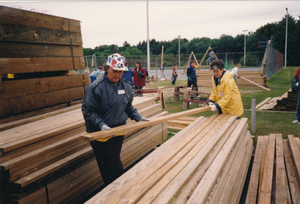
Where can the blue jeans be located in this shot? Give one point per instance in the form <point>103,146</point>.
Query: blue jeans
<point>174,79</point>
<point>93,78</point>
<point>298,106</point>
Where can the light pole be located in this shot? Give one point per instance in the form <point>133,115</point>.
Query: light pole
<point>286,34</point>
<point>148,43</point>
<point>245,31</point>
<point>178,51</point>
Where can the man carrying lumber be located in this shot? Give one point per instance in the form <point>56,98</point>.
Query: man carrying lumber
<point>107,104</point>
<point>295,88</point>
<point>191,74</point>
<point>225,96</point>
<point>235,70</point>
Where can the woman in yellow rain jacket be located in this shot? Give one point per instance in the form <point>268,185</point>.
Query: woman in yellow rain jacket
<point>225,96</point>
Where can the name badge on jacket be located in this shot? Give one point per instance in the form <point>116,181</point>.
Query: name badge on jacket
<point>221,94</point>
<point>121,91</point>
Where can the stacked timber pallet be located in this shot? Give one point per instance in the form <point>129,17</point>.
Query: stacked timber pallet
<point>39,50</point>
<point>47,161</point>
<point>204,78</point>
<point>275,171</point>
<point>286,102</point>
<point>205,162</point>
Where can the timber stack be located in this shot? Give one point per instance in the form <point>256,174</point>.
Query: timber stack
<point>288,103</point>
<point>46,161</point>
<point>204,78</point>
<point>38,50</point>
<point>194,166</point>
<point>275,171</point>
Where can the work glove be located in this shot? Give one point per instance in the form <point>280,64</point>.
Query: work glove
<point>140,73</point>
<point>190,78</point>
<point>210,103</point>
<point>294,87</point>
<point>238,76</point>
<point>213,108</point>
<point>105,127</point>
<point>144,119</point>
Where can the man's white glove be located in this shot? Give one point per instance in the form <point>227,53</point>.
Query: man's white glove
<point>105,127</point>
<point>144,119</point>
<point>213,108</point>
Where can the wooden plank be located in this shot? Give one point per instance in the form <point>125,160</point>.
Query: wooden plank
<point>43,64</point>
<point>281,193</point>
<point>186,166</point>
<point>266,189</point>
<point>205,185</point>
<point>33,34</point>
<point>263,102</point>
<point>295,153</point>
<point>29,50</point>
<point>128,128</point>
<point>291,174</point>
<point>254,178</point>
<point>11,89</point>
<point>29,18</point>
<point>160,155</point>
<point>22,104</point>
<point>256,84</point>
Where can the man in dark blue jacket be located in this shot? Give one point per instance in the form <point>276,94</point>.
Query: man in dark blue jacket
<point>191,74</point>
<point>107,104</point>
<point>295,88</point>
<point>127,75</point>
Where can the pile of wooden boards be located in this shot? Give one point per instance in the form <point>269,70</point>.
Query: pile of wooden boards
<point>275,171</point>
<point>206,162</point>
<point>204,78</point>
<point>286,102</point>
<point>181,123</point>
<point>47,161</point>
<point>39,50</point>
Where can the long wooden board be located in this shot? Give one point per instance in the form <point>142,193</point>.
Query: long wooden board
<point>29,18</point>
<point>256,84</point>
<point>43,64</point>
<point>33,34</point>
<point>127,128</point>
<point>22,104</point>
<point>28,50</point>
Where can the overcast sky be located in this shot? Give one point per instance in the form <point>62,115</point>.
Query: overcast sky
<point>113,22</point>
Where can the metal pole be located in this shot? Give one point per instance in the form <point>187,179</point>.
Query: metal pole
<point>245,47</point>
<point>286,34</point>
<point>148,43</point>
<point>253,116</point>
<point>178,51</point>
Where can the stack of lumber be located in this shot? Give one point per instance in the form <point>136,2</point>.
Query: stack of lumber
<point>39,50</point>
<point>181,123</point>
<point>205,162</point>
<point>204,78</point>
<point>275,171</point>
<point>286,102</point>
<point>47,161</point>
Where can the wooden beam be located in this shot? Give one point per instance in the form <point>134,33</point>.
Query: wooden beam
<point>256,84</point>
<point>295,153</point>
<point>263,102</point>
<point>266,189</point>
<point>126,128</point>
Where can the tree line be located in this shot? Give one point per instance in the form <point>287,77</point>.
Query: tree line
<point>225,44</point>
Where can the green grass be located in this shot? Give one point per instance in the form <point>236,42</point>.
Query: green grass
<point>267,122</point>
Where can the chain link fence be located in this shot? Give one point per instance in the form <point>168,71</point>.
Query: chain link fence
<point>274,61</point>
<point>253,59</point>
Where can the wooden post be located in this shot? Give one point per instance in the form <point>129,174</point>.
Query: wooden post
<point>253,117</point>
<point>185,105</point>
<point>162,61</point>
<point>176,93</point>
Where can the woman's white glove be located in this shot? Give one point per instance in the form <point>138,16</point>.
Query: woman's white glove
<point>213,108</point>
<point>105,127</point>
<point>210,103</point>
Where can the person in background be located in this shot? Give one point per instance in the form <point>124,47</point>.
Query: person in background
<point>139,76</point>
<point>108,104</point>
<point>235,70</point>
<point>225,96</point>
<point>163,69</point>
<point>86,70</point>
<point>97,73</point>
<point>296,89</point>
<point>174,74</point>
<point>191,74</point>
<point>127,75</point>
<point>211,57</point>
